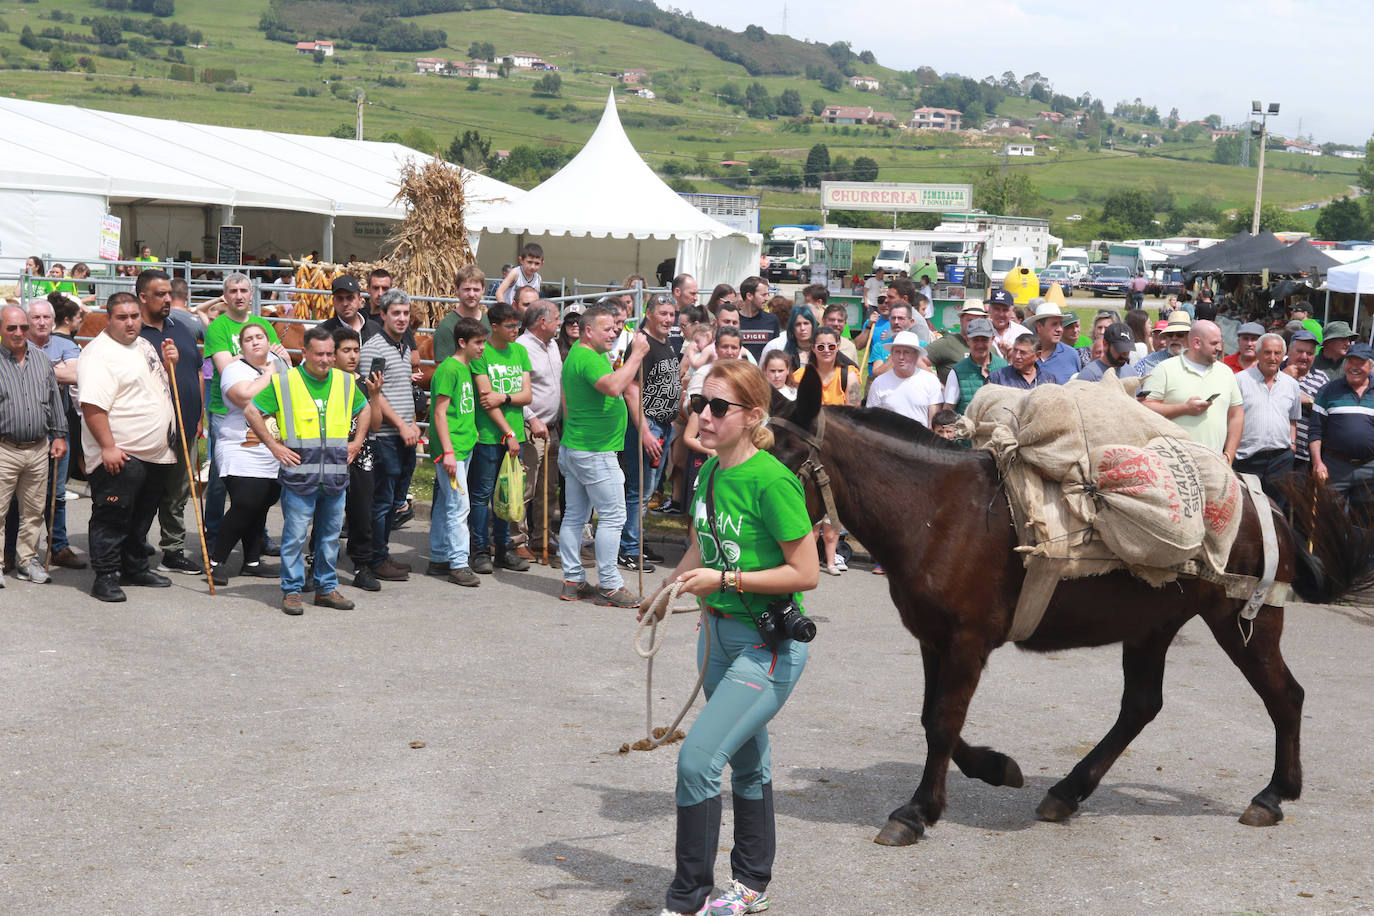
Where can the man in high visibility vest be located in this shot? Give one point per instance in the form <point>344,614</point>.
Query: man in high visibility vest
<point>313,405</point>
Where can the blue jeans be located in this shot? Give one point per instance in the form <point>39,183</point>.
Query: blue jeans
<point>746,685</point>
<point>59,515</point>
<point>297,512</point>
<point>483,467</point>
<point>629,537</point>
<point>591,480</point>
<point>392,462</point>
<point>448,518</point>
<point>215,491</point>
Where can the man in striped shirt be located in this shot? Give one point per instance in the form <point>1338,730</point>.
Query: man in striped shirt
<point>1302,351</point>
<point>1342,438</point>
<point>33,427</point>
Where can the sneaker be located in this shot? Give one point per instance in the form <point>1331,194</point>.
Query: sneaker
<point>34,572</point>
<point>438,570</point>
<point>465,577</point>
<point>217,573</point>
<point>738,899</point>
<point>177,561</point>
<point>146,578</point>
<point>650,554</point>
<point>671,507</point>
<point>481,563</point>
<point>364,580</point>
<point>403,515</point>
<point>629,561</point>
<point>654,501</point>
<point>832,570</point>
<point>291,604</point>
<point>576,591</point>
<point>106,588</point>
<point>878,570</point>
<point>620,597</point>
<point>257,570</point>
<point>840,564</point>
<point>334,599</point>
<point>271,548</point>
<point>512,561</point>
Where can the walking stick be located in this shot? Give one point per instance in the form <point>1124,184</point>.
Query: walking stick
<point>191,476</point>
<point>547,442</point>
<point>640,509</point>
<point>52,512</point>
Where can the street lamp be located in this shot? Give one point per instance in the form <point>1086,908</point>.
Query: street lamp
<point>1257,109</point>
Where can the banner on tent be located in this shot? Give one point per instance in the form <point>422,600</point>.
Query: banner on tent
<point>109,237</point>
<point>893,196</point>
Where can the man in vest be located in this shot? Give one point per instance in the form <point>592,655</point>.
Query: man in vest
<point>313,405</point>
<point>971,373</point>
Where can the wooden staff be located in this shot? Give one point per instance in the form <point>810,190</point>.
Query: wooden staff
<point>191,475</point>
<point>640,509</point>
<point>547,442</point>
<point>52,512</point>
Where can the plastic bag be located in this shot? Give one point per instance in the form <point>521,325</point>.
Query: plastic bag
<point>509,500</point>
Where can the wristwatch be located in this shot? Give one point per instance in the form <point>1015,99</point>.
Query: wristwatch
<point>507,404</point>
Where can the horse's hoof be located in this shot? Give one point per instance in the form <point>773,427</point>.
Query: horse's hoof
<point>898,833</point>
<point>1011,775</point>
<point>1055,809</point>
<point>1258,815</point>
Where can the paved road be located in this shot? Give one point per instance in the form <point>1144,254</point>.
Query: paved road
<point>181,754</point>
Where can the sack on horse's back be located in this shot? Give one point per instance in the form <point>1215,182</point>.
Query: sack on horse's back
<point>1147,515</point>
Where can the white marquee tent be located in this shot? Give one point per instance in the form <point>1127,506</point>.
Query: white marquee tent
<point>606,215</point>
<point>173,184</point>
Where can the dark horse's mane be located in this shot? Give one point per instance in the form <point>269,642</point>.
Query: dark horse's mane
<point>898,426</point>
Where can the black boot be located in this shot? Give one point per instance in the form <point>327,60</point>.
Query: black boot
<point>107,588</point>
<point>756,840</point>
<point>698,836</point>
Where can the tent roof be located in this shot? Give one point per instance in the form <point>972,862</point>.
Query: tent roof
<point>1352,278</point>
<point>1238,254</point>
<point>1301,257</point>
<point>606,190</point>
<point>131,158</point>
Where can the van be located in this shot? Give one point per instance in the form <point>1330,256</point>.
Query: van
<point>1006,258</point>
<point>893,256</point>
<point>1074,269</point>
<point>1078,256</point>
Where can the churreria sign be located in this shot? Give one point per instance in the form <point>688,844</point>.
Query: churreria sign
<point>892,196</point>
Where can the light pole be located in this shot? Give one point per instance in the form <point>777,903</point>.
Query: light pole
<point>1257,109</point>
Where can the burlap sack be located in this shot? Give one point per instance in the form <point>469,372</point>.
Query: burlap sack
<point>1146,515</point>
<point>1223,496</point>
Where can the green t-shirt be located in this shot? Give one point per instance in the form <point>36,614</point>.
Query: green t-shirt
<point>222,336</point>
<point>266,400</point>
<point>453,380</point>
<point>759,506</point>
<point>594,421</point>
<point>504,370</point>
<point>444,344</point>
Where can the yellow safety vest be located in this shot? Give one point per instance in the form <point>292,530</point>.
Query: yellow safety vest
<point>318,434</point>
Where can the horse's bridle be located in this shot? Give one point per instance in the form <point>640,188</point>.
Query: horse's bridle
<point>812,465</point>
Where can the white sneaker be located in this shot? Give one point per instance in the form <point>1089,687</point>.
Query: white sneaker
<point>840,564</point>
<point>34,572</point>
<point>71,496</point>
<point>737,900</point>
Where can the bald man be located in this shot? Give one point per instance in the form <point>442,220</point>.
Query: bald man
<point>1199,393</point>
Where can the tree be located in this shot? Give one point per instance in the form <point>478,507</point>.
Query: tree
<point>420,139</point>
<point>840,169</point>
<point>817,165</point>
<point>790,103</point>
<point>107,30</point>
<point>865,169</point>
<point>755,33</point>
<point>482,50</point>
<point>344,131</point>
<point>1008,195</point>
<point>197,37</point>
<point>1226,151</point>
<point>548,85</point>
<point>1342,219</point>
<point>866,58</point>
<point>1213,121</point>
<point>817,107</point>
<point>832,81</point>
<point>840,52</point>
<point>178,34</point>
<point>1130,208</point>
<point>757,102</point>
<point>470,150</point>
<point>318,56</point>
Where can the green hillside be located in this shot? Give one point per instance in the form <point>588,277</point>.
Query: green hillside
<point>276,88</point>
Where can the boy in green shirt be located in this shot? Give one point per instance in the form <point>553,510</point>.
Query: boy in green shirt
<point>451,441</point>
<point>502,380</point>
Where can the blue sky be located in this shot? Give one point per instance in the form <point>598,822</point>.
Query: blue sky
<point>1201,57</point>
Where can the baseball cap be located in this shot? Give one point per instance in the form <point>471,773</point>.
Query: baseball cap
<point>1001,297</point>
<point>1160,325</point>
<point>1070,318</point>
<point>573,308</point>
<point>1251,328</point>
<point>1119,337</point>
<point>1178,322</point>
<point>1304,334</point>
<point>980,327</point>
<point>1360,351</point>
<point>974,307</point>
<point>1335,330</point>
<point>906,339</point>
<point>345,284</point>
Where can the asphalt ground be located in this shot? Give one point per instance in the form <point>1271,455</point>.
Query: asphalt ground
<point>187,754</point>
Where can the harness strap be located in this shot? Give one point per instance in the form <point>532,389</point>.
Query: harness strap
<point>812,465</point>
<point>1271,545</point>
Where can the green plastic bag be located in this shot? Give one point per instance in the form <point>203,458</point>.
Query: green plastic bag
<point>509,500</point>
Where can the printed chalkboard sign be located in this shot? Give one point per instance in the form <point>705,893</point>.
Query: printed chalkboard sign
<point>230,245</point>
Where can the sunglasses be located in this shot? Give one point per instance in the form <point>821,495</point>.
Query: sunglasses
<point>719,406</point>
<point>16,327</point>
<point>821,346</point>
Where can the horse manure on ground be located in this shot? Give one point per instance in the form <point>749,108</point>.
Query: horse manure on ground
<point>644,744</point>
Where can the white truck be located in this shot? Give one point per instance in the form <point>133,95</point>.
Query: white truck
<point>1024,239</point>
<point>897,255</point>
<point>796,255</point>
<point>1004,259</point>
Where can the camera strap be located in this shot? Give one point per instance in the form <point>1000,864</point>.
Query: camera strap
<point>711,515</point>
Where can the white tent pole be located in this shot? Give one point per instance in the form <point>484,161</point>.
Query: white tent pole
<point>1328,305</point>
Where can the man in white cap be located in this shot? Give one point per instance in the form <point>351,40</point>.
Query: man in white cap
<point>1247,343</point>
<point>1058,360</point>
<point>1174,337</point>
<point>907,389</point>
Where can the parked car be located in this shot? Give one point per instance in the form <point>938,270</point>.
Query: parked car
<point>1052,275</point>
<point>1164,282</point>
<point>1107,280</point>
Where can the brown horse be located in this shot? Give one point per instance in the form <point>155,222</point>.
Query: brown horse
<point>955,577</point>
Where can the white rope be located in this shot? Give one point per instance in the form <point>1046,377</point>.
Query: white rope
<point>658,629</point>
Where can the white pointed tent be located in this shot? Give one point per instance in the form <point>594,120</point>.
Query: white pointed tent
<point>606,215</point>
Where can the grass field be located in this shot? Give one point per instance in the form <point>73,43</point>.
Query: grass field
<point>587,51</point>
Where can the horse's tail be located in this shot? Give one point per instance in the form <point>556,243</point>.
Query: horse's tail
<point>1338,561</point>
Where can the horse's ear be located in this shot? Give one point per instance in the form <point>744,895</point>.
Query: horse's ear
<point>808,402</point>
<point>779,405</point>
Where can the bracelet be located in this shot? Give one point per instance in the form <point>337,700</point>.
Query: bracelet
<point>722,580</point>
<point>739,582</point>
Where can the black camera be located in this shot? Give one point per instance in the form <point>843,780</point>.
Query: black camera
<point>781,620</point>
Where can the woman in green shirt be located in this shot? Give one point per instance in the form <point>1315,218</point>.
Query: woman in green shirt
<point>760,552</point>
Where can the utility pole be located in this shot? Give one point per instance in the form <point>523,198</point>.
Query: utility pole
<point>358,124</point>
<point>1255,108</point>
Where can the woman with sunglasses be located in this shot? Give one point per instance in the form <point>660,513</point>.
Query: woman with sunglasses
<point>763,553</point>
<point>723,292</point>
<point>839,385</point>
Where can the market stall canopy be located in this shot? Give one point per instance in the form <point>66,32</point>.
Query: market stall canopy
<point>80,151</point>
<point>1352,278</point>
<point>608,192</point>
<point>1301,257</point>
<point>1240,254</point>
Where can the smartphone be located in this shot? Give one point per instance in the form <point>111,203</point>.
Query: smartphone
<point>379,367</point>
<point>1214,397</point>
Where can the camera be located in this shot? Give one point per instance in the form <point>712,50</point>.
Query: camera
<point>781,620</point>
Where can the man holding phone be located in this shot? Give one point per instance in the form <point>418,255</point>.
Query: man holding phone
<point>1199,393</point>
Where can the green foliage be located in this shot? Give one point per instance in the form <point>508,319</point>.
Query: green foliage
<point>344,131</point>
<point>755,33</point>
<point>1342,219</point>
<point>474,85</point>
<point>318,56</point>
<point>1131,208</point>
<point>865,168</point>
<point>832,81</point>
<point>178,34</point>
<point>757,102</point>
<point>107,30</point>
<point>1011,194</point>
<point>817,107</point>
<point>549,85</point>
<point>218,75</point>
<point>789,103</point>
<point>182,73</point>
<point>482,50</point>
<point>470,150</point>
<point>817,165</point>
<point>1226,151</point>
<point>420,139</point>
<point>60,60</point>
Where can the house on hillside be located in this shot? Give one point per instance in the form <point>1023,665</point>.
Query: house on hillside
<point>1214,135</point>
<point>1302,147</point>
<point>856,114</point>
<point>1019,149</point>
<point>471,69</point>
<point>1349,154</point>
<point>305,47</point>
<point>643,92</point>
<point>633,77</point>
<point>521,60</point>
<point>866,83</point>
<point>428,65</point>
<point>927,118</point>
<point>310,47</point>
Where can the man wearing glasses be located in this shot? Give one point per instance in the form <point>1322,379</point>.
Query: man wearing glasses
<point>1175,338</point>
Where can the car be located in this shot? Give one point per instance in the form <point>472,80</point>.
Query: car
<point>1107,280</point>
<point>1074,218</point>
<point>1052,275</point>
<point>1309,206</point>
